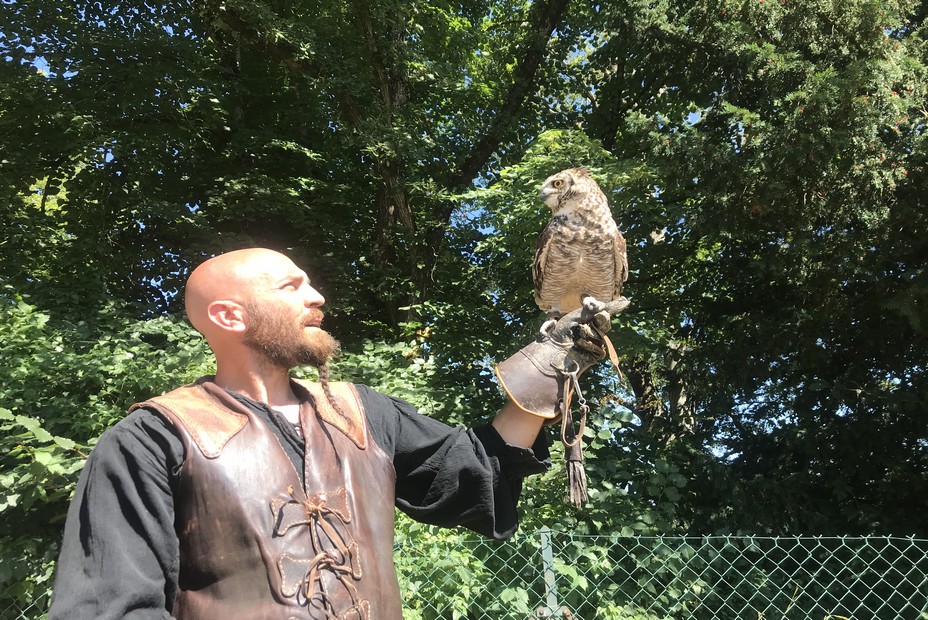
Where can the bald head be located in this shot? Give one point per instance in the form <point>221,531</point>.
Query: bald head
<point>234,277</point>
<point>261,317</point>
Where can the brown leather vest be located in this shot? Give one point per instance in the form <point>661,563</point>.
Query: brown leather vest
<point>254,543</point>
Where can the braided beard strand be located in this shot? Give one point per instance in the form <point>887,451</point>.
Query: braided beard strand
<point>324,382</point>
<point>285,345</point>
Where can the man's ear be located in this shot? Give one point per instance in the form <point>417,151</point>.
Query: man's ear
<point>228,315</point>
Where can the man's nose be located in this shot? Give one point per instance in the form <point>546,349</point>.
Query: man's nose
<point>314,298</point>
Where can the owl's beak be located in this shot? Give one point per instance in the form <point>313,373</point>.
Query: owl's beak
<point>545,195</point>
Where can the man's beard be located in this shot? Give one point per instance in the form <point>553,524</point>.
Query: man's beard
<point>284,342</point>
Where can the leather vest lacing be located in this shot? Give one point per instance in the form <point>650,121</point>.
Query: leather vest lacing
<point>257,544</point>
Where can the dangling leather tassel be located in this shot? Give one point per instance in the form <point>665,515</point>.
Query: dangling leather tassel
<point>573,441</point>
<point>576,476</point>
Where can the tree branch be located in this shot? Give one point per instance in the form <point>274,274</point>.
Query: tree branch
<point>545,19</point>
<point>376,57</point>
<point>393,202</point>
<point>282,50</point>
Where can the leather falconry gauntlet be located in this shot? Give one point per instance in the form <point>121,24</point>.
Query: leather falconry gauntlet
<point>542,376</point>
<point>578,340</point>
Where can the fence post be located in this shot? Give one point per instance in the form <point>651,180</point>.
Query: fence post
<point>552,607</point>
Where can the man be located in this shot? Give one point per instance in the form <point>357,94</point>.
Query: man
<point>252,495</point>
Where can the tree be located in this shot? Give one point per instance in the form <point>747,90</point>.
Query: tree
<point>765,159</point>
<point>781,252</point>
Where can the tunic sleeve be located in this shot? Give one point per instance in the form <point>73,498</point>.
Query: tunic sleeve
<point>119,552</point>
<point>451,476</point>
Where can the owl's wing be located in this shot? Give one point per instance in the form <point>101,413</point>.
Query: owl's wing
<point>541,260</point>
<point>621,262</point>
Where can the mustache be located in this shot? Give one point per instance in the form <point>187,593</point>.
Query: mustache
<point>314,317</point>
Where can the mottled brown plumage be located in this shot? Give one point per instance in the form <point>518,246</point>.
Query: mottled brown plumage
<point>581,251</point>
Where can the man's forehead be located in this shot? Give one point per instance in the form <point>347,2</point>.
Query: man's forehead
<point>272,273</point>
<point>245,269</point>
<point>286,275</point>
<point>270,265</point>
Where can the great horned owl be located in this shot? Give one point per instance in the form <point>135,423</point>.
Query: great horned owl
<point>581,251</point>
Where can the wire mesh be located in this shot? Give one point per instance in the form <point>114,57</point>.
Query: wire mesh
<point>663,577</point>
<point>16,609</point>
<point>552,574</point>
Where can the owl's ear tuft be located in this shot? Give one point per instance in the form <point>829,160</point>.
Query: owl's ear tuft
<point>581,171</point>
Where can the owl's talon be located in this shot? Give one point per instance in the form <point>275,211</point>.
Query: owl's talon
<point>593,305</point>
<point>547,327</point>
<point>602,321</point>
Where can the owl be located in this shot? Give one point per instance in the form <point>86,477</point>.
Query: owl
<point>581,251</point>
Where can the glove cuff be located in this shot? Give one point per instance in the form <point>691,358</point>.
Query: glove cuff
<point>531,388</point>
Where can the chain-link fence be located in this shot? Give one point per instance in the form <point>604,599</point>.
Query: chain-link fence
<point>649,578</point>
<point>548,574</point>
<point>15,608</point>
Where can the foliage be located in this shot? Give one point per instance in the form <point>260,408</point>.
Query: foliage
<point>765,159</point>
<point>70,371</point>
<point>788,196</point>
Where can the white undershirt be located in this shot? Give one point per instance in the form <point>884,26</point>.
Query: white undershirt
<point>291,412</point>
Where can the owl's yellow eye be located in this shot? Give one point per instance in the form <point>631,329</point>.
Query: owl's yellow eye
<point>557,183</point>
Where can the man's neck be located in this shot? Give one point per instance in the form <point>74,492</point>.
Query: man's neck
<point>265,385</point>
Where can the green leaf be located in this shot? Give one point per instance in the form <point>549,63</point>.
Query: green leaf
<point>34,427</point>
